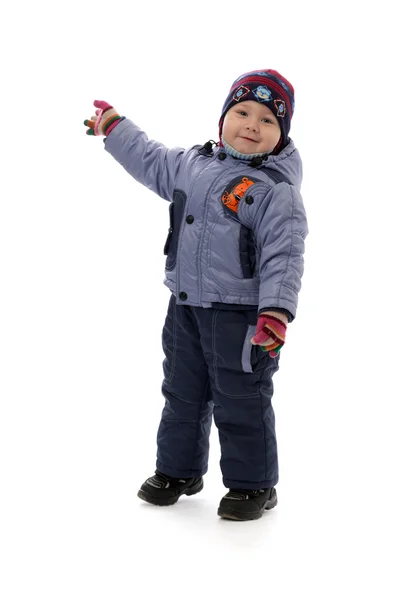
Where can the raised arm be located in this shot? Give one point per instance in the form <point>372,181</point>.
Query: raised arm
<point>148,161</point>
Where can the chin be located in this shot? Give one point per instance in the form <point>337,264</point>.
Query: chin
<point>247,147</point>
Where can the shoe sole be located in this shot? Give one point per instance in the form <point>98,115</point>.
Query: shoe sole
<point>235,515</point>
<point>143,495</point>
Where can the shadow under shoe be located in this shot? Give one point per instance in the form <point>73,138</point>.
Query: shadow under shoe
<point>163,490</point>
<point>246,505</point>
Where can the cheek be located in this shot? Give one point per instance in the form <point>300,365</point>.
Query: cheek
<point>226,129</point>
<point>275,136</point>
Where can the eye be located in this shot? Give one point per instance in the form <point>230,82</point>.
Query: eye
<point>243,113</point>
<point>266,120</point>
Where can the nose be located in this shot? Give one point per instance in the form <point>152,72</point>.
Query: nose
<point>252,125</point>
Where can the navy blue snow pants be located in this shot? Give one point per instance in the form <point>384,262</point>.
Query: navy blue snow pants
<point>211,368</point>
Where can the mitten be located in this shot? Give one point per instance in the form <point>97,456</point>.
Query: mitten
<point>270,334</point>
<point>105,120</point>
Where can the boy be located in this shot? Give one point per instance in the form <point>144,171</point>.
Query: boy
<point>234,265</point>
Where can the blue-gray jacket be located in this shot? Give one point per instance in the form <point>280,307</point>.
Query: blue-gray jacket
<point>236,233</point>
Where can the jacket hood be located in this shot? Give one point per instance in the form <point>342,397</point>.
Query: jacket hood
<point>288,163</point>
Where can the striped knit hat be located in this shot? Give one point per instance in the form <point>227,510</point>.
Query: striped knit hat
<point>270,88</point>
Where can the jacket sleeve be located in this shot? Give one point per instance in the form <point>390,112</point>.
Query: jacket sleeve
<point>148,161</point>
<point>280,229</point>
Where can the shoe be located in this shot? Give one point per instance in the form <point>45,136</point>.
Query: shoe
<point>246,505</point>
<point>163,490</point>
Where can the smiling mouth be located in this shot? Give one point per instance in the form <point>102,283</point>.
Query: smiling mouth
<point>248,139</point>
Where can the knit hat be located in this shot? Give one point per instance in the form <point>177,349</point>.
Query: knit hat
<point>269,88</point>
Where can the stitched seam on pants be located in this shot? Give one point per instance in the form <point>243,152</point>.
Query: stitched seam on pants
<point>173,359</point>
<point>195,317</point>
<point>264,429</point>
<point>263,421</point>
<point>198,424</point>
<point>214,325</point>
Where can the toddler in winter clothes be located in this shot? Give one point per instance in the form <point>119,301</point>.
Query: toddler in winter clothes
<point>234,265</point>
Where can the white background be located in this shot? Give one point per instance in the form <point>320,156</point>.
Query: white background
<point>82,304</point>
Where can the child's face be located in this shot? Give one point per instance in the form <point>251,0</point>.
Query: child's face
<point>251,127</point>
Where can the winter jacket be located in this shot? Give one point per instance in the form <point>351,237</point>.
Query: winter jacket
<point>236,232</point>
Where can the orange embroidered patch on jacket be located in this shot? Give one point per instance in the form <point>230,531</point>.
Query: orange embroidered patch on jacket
<point>235,192</point>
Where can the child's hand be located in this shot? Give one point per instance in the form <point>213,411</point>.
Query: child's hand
<point>104,121</point>
<point>270,332</point>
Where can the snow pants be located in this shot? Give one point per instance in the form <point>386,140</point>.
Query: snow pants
<point>212,369</point>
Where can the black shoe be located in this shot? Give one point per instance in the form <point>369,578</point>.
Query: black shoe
<point>164,491</point>
<point>245,505</point>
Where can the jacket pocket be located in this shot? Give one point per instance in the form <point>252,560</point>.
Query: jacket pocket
<point>176,210</point>
<point>247,250</point>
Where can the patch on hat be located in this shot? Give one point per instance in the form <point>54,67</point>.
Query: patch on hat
<point>262,93</point>
<point>280,106</point>
<point>240,93</point>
